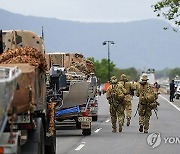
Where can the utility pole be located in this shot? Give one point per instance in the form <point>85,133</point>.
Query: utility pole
<point>108,43</point>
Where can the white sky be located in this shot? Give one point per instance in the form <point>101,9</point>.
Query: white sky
<point>84,10</point>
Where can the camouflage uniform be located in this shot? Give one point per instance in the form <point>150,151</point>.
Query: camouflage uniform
<point>147,102</point>
<point>116,103</point>
<point>127,100</point>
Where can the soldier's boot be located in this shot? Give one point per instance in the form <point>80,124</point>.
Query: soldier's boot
<point>114,130</point>
<point>120,127</point>
<point>141,128</point>
<point>146,129</point>
<point>128,121</point>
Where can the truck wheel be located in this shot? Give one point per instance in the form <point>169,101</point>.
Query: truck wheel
<point>41,149</point>
<point>19,146</point>
<point>94,118</point>
<point>51,144</point>
<point>36,140</point>
<point>78,124</point>
<point>177,96</point>
<point>86,132</point>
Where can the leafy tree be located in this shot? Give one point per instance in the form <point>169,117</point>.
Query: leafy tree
<point>132,73</point>
<point>169,9</point>
<point>174,72</point>
<point>101,69</point>
<point>163,73</point>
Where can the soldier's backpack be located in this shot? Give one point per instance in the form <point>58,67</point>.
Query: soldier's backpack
<point>151,98</point>
<point>117,93</point>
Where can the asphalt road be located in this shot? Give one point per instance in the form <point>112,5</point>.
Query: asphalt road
<point>164,133</point>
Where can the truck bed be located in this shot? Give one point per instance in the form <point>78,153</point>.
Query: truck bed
<point>31,92</point>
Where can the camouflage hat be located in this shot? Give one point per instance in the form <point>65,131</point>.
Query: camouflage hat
<point>113,79</point>
<point>144,78</point>
<point>123,77</point>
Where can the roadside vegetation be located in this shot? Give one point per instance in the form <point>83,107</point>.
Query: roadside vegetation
<point>101,71</point>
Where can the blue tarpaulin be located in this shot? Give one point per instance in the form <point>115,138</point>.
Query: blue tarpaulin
<point>75,109</point>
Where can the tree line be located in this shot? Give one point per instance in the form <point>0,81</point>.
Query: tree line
<point>167,72</point>
<point>101,71</point>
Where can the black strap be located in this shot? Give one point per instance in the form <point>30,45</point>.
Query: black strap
<point>1,42</point>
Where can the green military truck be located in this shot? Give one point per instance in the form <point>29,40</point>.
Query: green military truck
<point>30,116</point>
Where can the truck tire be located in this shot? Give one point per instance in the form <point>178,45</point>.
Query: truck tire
<point>19,146</point>
<point>94,118</point>
<point>78,124</point>
<point>51,144</point>
<point>86,132</point>
<point>36,140</point>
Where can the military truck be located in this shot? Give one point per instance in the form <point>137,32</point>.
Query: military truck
<point>30,115</point>
<point>80,88</point>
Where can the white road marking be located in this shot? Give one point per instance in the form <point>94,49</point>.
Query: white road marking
<point>97,130</point>
<point>80,147</point>
<point>170,103</point>
<point>107,120</point>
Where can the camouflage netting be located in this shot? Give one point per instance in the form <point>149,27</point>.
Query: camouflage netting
<point>73,69</point>
<point>24,55</point>
<point>84,67</point>
<point>90,66</point>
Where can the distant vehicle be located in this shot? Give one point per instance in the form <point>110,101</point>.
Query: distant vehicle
<point>151,76</point>
<point>177,93</point>
<point>177,82</point>
<point>78,92</point>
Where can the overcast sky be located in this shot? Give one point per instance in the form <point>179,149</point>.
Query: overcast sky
<point>84,10</point>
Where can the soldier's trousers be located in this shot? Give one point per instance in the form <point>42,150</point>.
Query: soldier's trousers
<point>116,112</point>
<point>128,109</point>
<point>144,116</point>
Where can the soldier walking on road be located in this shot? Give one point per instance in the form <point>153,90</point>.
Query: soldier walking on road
<point>115,96</point>
<point>127,100</point>
<point>172,91</point>
<point>147,102</point>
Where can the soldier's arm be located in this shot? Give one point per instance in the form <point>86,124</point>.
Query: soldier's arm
<point>137,92</point>
<point>122,88</point>
<point>108,93</point>
<point>133,87</point>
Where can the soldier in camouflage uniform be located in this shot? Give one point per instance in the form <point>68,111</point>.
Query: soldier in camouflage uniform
<point>147,102</point>
<point>127,100</point>
<point>115,96</point>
